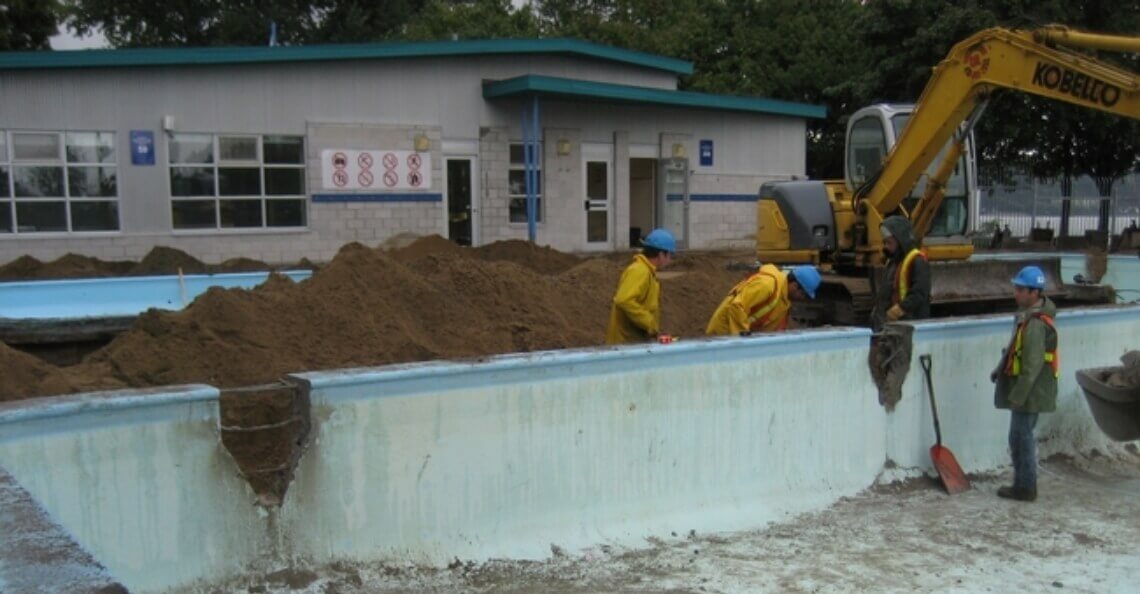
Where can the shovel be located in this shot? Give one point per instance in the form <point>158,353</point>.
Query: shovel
<point>951,474</point>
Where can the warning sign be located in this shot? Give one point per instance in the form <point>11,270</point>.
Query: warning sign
<point>343,169</point>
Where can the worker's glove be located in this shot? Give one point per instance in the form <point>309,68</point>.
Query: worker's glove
<point>895,313</point>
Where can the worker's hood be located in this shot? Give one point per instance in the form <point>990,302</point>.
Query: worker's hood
<point>1045,306</point>
<point>901,229</point>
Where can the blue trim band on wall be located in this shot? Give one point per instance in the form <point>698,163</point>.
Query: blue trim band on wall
<point>417,197</point>
<point>713,197</point>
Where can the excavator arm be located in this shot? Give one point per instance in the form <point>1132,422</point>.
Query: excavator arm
<point>1028,61</point>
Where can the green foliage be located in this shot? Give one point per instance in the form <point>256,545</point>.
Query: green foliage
<point>27,24</point>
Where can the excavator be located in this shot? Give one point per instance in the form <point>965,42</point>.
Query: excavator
<point>891,147</point>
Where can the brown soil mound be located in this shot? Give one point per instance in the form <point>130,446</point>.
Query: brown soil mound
<point>541,259</point>
<point>67,266</point>
<point>367,307</point>
<point>1129,375</point>
<point>430,245</point>
<point>166,260</point>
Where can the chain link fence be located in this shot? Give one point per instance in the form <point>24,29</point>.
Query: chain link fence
<point>1022,204</point>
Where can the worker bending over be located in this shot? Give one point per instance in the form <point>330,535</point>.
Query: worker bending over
<point>904,293</point>
<point>763,301</point>
<point>636,312</point>
<point>1026,378</point>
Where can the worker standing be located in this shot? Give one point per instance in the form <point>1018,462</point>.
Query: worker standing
<point>636,312</point>
<point>1026,378</point>
<point>904,293</point>
<point>763,302</point>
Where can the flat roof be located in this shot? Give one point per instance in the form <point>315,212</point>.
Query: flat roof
<point>188,56</point>
<point>568,87</point>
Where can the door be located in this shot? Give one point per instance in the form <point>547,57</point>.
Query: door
<point>598,184</point>
<point>460,195</point>
<point>673,198</point>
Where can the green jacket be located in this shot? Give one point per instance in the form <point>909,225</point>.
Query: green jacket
<point>917,303</point>
<point>1035,389</point>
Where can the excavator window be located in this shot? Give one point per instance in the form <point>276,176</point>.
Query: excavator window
<point>953,216</point>
<point>867,148</point>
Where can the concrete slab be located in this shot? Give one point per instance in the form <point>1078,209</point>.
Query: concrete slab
<point>37,555</point>
<point>1082,535</point>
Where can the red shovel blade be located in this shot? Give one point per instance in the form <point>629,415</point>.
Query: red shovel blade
<point>951,474</point>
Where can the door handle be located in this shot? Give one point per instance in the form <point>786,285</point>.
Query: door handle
<point>587,203</point>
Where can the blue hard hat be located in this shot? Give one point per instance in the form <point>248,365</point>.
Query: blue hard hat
<point>660,239</point>
<point>1030,277</point>
<point>808,278</point>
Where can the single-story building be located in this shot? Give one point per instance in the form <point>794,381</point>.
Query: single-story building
<point>278,153</point>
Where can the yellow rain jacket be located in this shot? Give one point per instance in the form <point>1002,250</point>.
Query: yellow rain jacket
<point>758,303</point>
<point>635,315</point>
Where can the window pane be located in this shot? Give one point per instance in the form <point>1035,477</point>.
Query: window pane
<point>233,181</point>
<point>237,148</point>
<point>192,148</point>
<point>33,182</point>
<point>90,147</point>
<point>35,147</point>
<point>194,214</point>
<point>517,154</point>
<point>5,217</point>
<point>517,182</point>
<point>285,213</point>
<point>597,182</point>
<point>518,210</point>
<point>284,182</point>
<point>41,216</point>
<point>192,181</point>
<point>285,149</point>
<point>5,191</point>
<point>94,216</point>
<point>91,182</point>
<point>3,147</point>
<point>241,213</point>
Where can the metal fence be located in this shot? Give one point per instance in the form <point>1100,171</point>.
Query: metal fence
<point>1023,203</point>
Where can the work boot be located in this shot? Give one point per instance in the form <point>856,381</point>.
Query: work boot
<point>1017,493</point>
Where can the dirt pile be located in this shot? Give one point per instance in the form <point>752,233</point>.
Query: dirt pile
<point>372,307</point>
<point>160,260</point>
<point>1129,375</point>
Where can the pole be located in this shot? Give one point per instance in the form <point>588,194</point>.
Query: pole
<point>532,189</point>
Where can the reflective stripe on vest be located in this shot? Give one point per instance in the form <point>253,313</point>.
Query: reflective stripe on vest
<point>758,316</point>
<point>902,275</point>
<point>1013,354</point>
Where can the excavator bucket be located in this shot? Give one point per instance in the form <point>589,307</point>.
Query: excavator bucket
<point>987,280</point>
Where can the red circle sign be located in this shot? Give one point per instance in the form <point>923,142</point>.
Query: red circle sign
<point>340,160</point>
<point>390,161</point>
<point>414,161</point>
<point>365,178</point>
<point>415,178</point>
<point>364,160</point>
<point>391,179</point>
<point>340,178</point>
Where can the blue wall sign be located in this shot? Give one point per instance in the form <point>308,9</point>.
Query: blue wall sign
<point>142,147</point>
<point>706,153</point>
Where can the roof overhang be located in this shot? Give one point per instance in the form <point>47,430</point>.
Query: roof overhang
<point>608,92</point>
<point>191,56</point>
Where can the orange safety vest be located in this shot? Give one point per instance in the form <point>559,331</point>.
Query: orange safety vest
<point>758,315</point>
<point>902,275</point>
<point>1013,354</point>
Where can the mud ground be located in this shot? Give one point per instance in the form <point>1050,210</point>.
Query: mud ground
<point>1082,535</point>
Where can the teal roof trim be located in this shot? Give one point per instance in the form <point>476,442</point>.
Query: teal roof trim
<point>190,56</point>
<point>566,87</point>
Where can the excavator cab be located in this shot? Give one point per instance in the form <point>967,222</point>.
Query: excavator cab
<point>873,131</point>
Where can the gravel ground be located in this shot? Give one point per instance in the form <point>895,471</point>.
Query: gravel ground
<point>1082,535</point>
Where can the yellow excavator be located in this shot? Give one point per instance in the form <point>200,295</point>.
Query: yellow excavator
<point>890,148</point>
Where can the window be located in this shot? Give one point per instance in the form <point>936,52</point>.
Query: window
<point>517,184</point>
<point>237,181</point>
<point>58,181</point>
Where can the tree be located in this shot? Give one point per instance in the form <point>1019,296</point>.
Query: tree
<point>27,24</point>
<point>479,19</point>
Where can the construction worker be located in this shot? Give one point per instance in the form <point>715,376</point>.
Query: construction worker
<point>1026,378</point>
<point>762,302</point>
<point>636,312</point>
<point>904,293</point>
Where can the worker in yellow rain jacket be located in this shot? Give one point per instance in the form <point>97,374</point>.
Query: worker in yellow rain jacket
<point>636,312</point>
<point>763,301</point>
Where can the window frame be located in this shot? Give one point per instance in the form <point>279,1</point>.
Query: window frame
<point>217,163</point>
<point>540,216</point>
<point>11,202</point>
